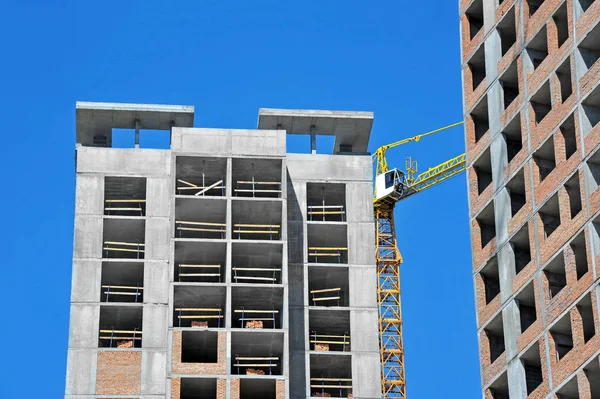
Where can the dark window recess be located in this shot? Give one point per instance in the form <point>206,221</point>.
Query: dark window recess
<point>534,5</point>
<point>545,158</point>
<point>537,49</point>
<point>487,225</point>
<point>578,248</point>
<point>567,129</point>
<point>533,377</point>
<point>541,102</point>
<point>507,31</point>
<point>589,48</point>
<point>522,257</point>
<point>527,316</point>
<point>483,171</point>
<point>491,280</point>
<point>563,343</point>
<point>480,118</point>
<point>496,345</point>
<point>516,191</point>
<point>510,84</point>
<point>513,138</point>
<point>572,187</point>
<point>563,73</point>
<point>562,24</point>
<point>587,316</point>
<point>550,215</point>
<point>475,17</point>
<point>556,276</point>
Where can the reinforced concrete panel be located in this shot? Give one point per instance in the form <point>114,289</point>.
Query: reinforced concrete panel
<point>158,195</point>
<point>363,383</point>
<point>363,286</point>
<point>86,281</point>
<point>156,282</point>
<point>363,331</point>
<point>81,372</point>
<point>154,372</point>
<point>124,161</point>
<point>361,243</point>
<point>89,194</point>
<point>158,234</point>
<point>84,326</point>
<point>87,239</point>
<point>154,328</point>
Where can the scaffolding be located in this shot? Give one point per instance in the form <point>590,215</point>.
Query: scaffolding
<point>118,207</point>
<point>325,212</point>
<point>252,188</point>
<point>322,343</point>
<point>272,272</point>
<point>202,227</point>
<point>121,338</point>
<point>200,314</point>
<point>201,273</point>
<point>338,384</point>
<point>242,362</point>
<point>331,294</point>
<point>122,290</point>
<point>251,321</point>
<point>327,252</point>
<point>136,248</point>
<point>247,228</point>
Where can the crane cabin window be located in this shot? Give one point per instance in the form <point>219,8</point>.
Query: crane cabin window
<point>389,179</point>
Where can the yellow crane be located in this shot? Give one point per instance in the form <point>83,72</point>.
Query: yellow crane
<point>392,186</point>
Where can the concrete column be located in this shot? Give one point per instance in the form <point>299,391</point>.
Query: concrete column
<point>517,385</point>
<point>502,215</point>
<point>506,271</point>
<point>313,140</point>
<point>493,53</point>
<point>511,323</point>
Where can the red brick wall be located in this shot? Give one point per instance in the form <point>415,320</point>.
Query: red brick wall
<point>199,368</point>
<point>119,373</point>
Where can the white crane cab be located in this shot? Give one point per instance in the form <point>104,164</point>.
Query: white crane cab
<point>389,185</point>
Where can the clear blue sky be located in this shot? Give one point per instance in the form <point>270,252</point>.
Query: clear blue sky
<point>400,59</point>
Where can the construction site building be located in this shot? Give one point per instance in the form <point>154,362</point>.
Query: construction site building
<point>223,267</point>
<point>531,74</point>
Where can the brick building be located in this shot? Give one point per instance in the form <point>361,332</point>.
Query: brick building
<point>531,73</point>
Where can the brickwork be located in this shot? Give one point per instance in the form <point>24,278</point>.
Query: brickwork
<point>559,204</point>
<point>234,388</point>
<point>119,373</point>
<point>220,367</point>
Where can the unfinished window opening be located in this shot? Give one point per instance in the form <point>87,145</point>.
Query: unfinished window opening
<point>257,307</point>
<point>328,286</point>
<point>329,330</point>
<point>120,327</point>
<point>495,334</point>
<point>592,372</point>
<point>587,316</point>
<point>592,172</point>
<point>556,275</point>
<point>533,368</point>
<point>534,5</point>
<point>327,243</point>
<point>257,388</point>
<point>256,263</point>
<point>256,353</point>
<point>521,248</point>
<point>200,176</point>
<point>120,138</point>
<point>499,388</point>
<point>562,334</point>
<point>525,301</point>
<point>200,218</point>
<point>491,279</point>
<point>123,239</point>
<point>480,118</point>
<point>567,129</point>
<point>588,51</point>
<point>570,390</point>
<point>516,191</point>
<point>563,73</point>
<point>125,196</point>
<point>580,252</point>
<point>513,137</point>
<point>550,215</point>
<point>200,262</point>
<point>509,81</point>
<point>573,190</point>
<point>122,282</point>
<point>192,388</point>
<point>257,177</point>
<point>507,30</point>
<point>541,103</point>
<point>537,49</point>
<point>477,67</point>
<point>330,375</point>
<point>591,111</point>
<point>474,15</point>
<point>487,224</point>
<point>545,158</point>
<point>326,202</point>
<point>583,5</point>
<point>199,347</point>
<point>199,306</point>
<point>256,220</point>
<point>483,171</point>
<point>562,24</point>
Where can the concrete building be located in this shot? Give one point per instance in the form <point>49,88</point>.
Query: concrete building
<point>222,267</point>
<point>532,110</point>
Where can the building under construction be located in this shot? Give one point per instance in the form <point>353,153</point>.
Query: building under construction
<point>531,75</point>
<point>223,267</point>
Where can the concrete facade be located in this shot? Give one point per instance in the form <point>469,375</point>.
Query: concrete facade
<point>224,254</point>
<point>531,74</point>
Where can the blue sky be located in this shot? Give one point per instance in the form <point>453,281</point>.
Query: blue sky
<point>399,59</point>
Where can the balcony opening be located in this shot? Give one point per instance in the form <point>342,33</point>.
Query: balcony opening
<point>200,218</point>
<point>199,347</point>
<point>495,334</point>
<point>256,263</point>
<point>541,103</point>
<point>537,49</point>
<point>556,275</point>
<point>563,73</point>
<point>591,111</point>
<point>487,224</point>
<point>483,171</point>
<point>570,390</point>
<point>200,176</point>
<point>257,177</point>
<point>326,202</point>
<point>120,327</point>
<point>499,388</point>
<point>579,250</point>
<point>592,372</point>
<point>567,129</point>
<point>475,17</point>
<point>123,238</point>
<point>199,306</point>
<point>550,215</point>
<point>328,286</point>
<point>256,220</point>
<point>124,196</point>
<point>573,190</point>
<point>545,158</point>
<point>533,368</point>
<point>509,81</point>
<point>255,388</point>
<point>491,279</point>
<point>480,118</point>
<point>562,24</point>
<point>329,330</point>
<point>122,282</point>
<point>521,248</point>
<point>513,137</point>
<point>192,388</point>
<point>507,30</point>
<point>534,5</point>
<point>563,336</point>
<point>477,67</point>
<point>587,316</point>
<point>583,5</point>
<point>256,353</point>
<point>200,262</point>
<point>330,375</point>
<point>327,243</point>
<point>588,51</point>
<point>525,301</point>
<point>257,307</point>
<point>516,191</point>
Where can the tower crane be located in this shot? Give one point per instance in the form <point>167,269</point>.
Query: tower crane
<point>392,186</point>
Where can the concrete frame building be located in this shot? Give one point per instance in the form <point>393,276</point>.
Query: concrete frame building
<point>222,267</point>
<point>531,75</point>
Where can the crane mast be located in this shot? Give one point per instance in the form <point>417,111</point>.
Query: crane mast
<point>391,187</point>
